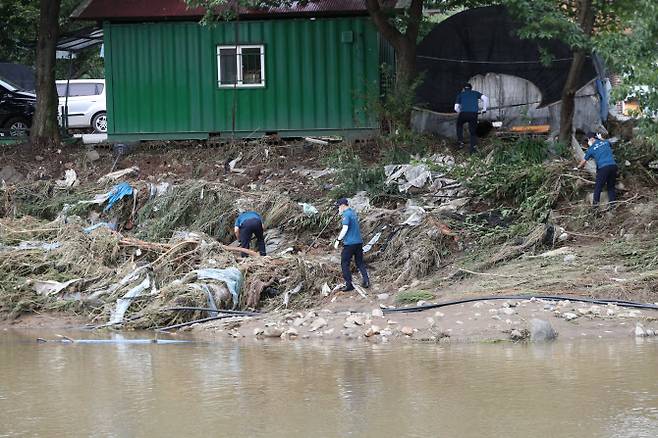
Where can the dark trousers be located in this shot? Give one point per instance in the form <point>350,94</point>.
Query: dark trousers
<point>606,175</point>
<point>472,120</point>
<point>346,255</point>
<point>249,228</point>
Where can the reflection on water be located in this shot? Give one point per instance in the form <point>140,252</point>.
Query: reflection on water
<point>588,389</point>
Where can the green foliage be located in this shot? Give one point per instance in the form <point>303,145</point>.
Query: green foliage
<point>633,55</point>
<point>409,297</point>
<point>354,175</point>
<point>515,175</point>
<point>18,33</point>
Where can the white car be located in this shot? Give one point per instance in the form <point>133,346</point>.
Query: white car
<point>86,103</point>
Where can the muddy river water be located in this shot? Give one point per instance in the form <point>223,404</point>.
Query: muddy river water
<point>306,389</point>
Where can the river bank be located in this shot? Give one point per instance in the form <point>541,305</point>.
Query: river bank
<point>436,231</point>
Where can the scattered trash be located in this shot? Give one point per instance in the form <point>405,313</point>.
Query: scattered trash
<point>117,193</point>
<point>232,277</point>
<point>49,287</point>
<point>113,176</point>
<point>308,209</point>
<point>70,180</point>
<point>107,225</point>
<point>288,294</point>
<point>125,302</point>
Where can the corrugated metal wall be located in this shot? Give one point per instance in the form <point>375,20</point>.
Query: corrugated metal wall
<point>162,78</point>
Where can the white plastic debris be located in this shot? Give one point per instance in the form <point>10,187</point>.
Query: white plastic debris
<point>70,180</point>
<point>124,302</point>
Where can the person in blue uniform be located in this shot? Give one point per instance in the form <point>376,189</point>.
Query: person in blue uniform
<point>467,106</point>
<point>248,225</point>
<point>606,167</point>
<point>350,236</point>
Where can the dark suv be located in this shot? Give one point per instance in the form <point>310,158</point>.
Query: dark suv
<point>16,109</point>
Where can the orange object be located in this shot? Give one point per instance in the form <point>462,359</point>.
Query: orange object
<point>531,129</point>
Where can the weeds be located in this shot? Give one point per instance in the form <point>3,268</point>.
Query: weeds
<point>354,175</point>
<point>410,297</point>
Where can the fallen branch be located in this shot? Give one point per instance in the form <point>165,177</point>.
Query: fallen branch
<point>482,273</point>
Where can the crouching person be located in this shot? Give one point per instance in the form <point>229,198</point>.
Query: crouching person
<point>350,235</point>
<point>248,225</point>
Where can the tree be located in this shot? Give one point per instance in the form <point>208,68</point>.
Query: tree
<point>577,23</point>
<point>45,129</point>
<point>633,55</point>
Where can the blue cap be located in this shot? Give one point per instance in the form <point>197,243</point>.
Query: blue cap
<point>342,201</point>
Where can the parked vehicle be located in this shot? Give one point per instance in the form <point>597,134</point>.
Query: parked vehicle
<point>86,103</point>
<point>16,109</point>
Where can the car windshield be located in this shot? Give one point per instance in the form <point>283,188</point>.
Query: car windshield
<point>9,85</point>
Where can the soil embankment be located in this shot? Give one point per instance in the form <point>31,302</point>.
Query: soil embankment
<point>441,226</point>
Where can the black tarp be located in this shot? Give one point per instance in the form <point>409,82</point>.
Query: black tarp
<point>19,74</point>
<point>484,40</point>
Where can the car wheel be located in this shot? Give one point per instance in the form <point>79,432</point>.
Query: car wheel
<point>17,127</point>
<point>99,122</point>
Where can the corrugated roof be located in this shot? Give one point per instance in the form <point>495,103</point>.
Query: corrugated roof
<point>128,10</point>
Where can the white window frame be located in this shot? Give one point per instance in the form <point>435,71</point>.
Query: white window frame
<point>238,59</point>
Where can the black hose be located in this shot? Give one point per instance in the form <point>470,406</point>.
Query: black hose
<point>619,303</point>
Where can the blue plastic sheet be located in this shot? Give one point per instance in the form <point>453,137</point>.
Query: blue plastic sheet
<point>118,192</point>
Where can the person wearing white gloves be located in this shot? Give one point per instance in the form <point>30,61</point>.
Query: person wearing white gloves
<point>467,106</point>
<point>350,236</point>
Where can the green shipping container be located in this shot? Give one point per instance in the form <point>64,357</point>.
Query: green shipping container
<point>294,77</point>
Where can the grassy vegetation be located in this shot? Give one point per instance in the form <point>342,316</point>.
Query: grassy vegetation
<point>412,297</point>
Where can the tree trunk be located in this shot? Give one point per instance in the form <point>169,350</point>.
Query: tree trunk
<point>586,15</point>
<point>45,130</point>
<point>404,45</point>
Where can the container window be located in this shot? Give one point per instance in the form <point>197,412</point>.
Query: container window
<point>241,66</point>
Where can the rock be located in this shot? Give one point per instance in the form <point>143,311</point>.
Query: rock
<point>430,321</point>
<point>595,310</point>
<point>563,237</point>
<point>406,330</point>
<point>541,331</point>
<point>92,155</point>
<point>569,316</point>
<point>328,332</point>
<point>317,324</point>
<point>478,305</point>
<point>496,317</point>
<point>372,331</point>
<point>610,312</point>
<point>290,333</point>
<point>438,315</point>
<point>386,332</point>
<point>569,259</point>
<point>634,314</point>
<point>258,331</point>
<point>272,332</point>
<point>650,332</point>
<point>639,331</point>
<point>583,311</point>
<point>355,320</point>
<point>382,297</point>
<point>509,311</point>
<point>10,175</point>
<point>298,322</point>
<point>378,313</point>
<point>517,335</point>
